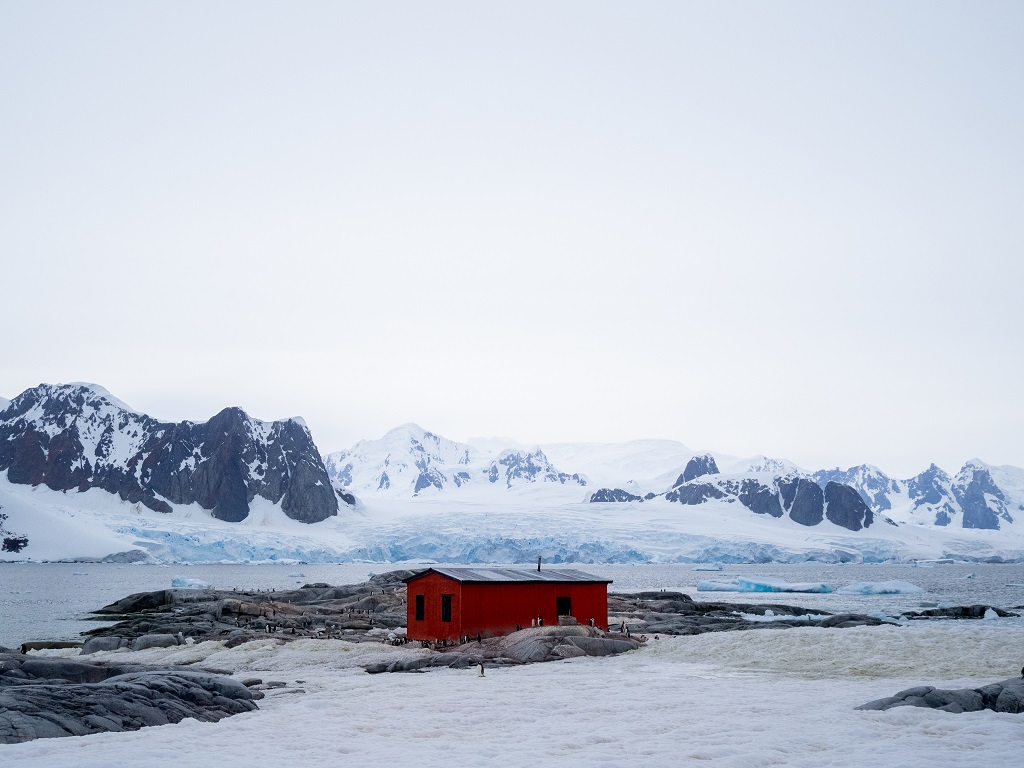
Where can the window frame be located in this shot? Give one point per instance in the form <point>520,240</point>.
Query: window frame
<point>421,607</point>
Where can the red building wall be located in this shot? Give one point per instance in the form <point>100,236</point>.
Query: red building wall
<point>432,587</point>
<point>495,608</point>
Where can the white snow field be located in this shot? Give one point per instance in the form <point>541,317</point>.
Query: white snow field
<point>755,698</point>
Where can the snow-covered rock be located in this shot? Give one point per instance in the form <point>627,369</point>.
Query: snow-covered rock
<point>409,461</point>
<point>77,437</point>
<point>978,496</point>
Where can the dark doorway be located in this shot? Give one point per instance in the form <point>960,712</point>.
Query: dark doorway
<point>563,606</point>
<point>420,609</point>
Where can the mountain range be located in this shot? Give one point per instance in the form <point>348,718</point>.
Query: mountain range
<point>79,437</point>
<point>74,457</point>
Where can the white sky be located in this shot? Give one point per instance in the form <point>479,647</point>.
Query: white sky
<point>786,228</point>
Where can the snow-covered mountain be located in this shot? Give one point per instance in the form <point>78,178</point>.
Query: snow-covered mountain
<point>409,461</point>
<point>83,475</point>
<point>78,437</point>
<point>978,496</point>
<point>771,488</point>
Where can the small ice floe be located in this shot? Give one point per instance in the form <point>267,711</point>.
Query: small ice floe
<point>80,573</point>
<point>770,615</point>
<point>742,584</point>
<point>707,567</point>
<point>990,614</point>
<point>880,588</point>
<point>181,582</point>
<point>297,575</point>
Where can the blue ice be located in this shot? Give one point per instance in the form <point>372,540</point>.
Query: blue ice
<point>742,584</point>
<point>880,588</point>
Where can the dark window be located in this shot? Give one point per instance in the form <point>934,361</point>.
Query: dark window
<point>563,606</point>
<point>446,607</point>
<point>420,610</point>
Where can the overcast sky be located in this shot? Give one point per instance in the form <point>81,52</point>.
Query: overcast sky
<point>781,228</point>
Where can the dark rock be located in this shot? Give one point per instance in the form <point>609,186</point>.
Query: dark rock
<point>804,500</point>
<point>845,507</point>
<point>958,612</point>
<point>154,641</point>
<point>696,467</point>
<point>760,499</point>
<point>56,697</point>
<point>94,644</point>
<point>694,493</point>
<point>975,491</point>
<point>610,495</point>
<point>1007,696</point>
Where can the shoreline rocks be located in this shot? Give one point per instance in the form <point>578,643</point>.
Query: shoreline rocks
<point>52,697</point>
<point>1005,696</point>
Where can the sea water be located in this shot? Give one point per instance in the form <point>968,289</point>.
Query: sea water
<point>52,601</point>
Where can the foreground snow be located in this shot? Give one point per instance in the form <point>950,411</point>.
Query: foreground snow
<point>740,698</point>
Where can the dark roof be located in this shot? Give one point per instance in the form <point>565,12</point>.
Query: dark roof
<point>516,575</point>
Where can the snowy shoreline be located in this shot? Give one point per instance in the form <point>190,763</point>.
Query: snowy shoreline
<point>740,698</point>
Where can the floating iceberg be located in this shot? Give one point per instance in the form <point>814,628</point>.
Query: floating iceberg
<point>760,585</point>
<point>180,582</point>
<point>880,588</point>
<point>708,567</point>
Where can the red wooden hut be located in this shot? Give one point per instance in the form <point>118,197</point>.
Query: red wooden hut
<point>451,603</point>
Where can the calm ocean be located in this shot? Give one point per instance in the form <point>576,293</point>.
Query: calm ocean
<point>51,601</point>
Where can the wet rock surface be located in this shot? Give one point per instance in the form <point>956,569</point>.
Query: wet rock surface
<point>1005,696</point>
<point>527,646</point>
<point>958,612</point>
<point>51,697</point>
<point>675,613</point>
<point>358,612</point>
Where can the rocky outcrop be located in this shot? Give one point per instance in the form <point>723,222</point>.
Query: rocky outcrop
<point>167,616</point>
<point>674,613</point>
<point>959,612</point>
<point>798,497</point>
<point>982,501</point>
<point>9,541</point>
<point>527,646</point>
<point>518,467</point>
<point>804,500</point>
<point>1005,696</point>
<point>845,507</point>
<point>46,698</point>
<point>77,437</point>
<point>696,467</point>
<point>873,485</point>
<point>694,493</point>
<point>613,495</point>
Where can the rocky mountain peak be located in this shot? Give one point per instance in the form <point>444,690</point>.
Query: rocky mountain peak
<point>78,437</point>
<point>696,467</point>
